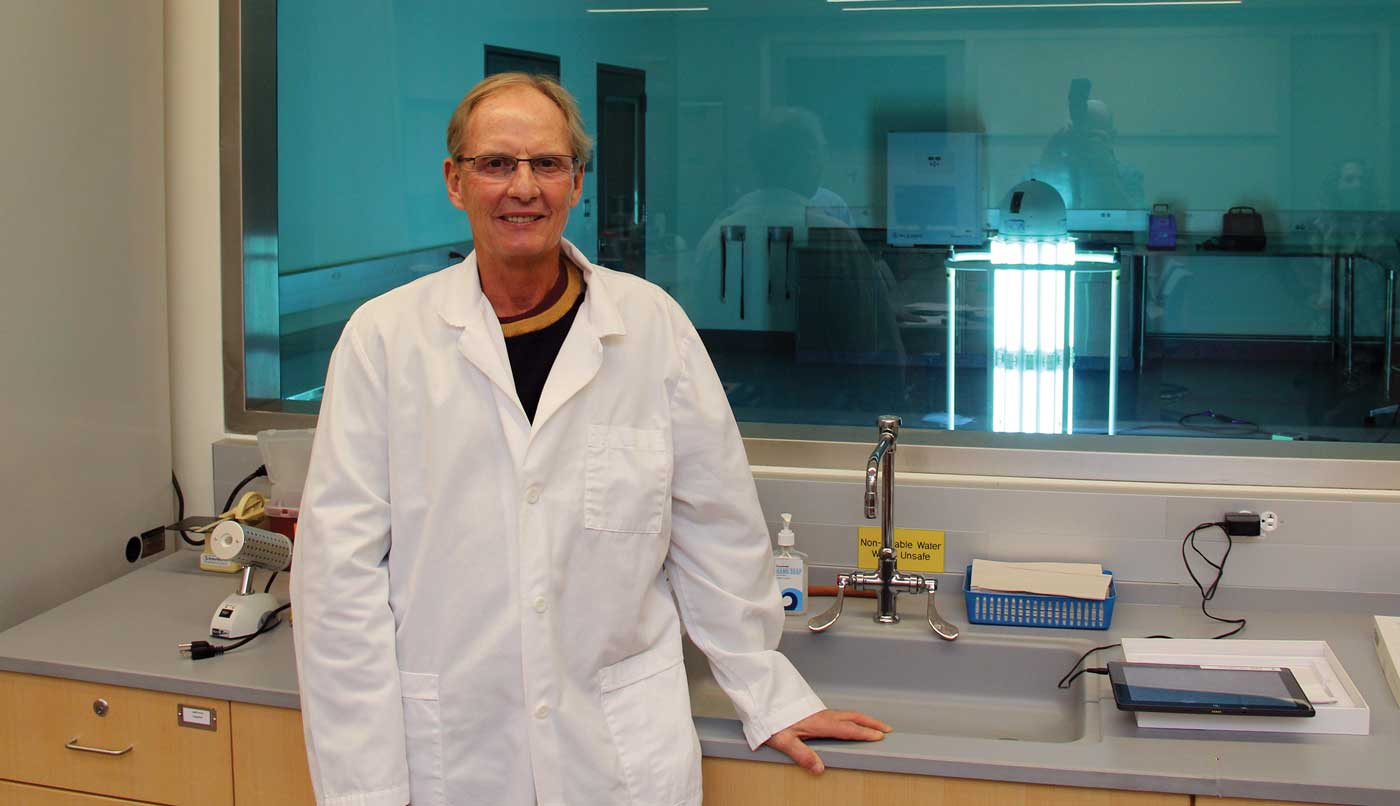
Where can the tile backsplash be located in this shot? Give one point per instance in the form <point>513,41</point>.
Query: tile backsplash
<point>1322,544</point>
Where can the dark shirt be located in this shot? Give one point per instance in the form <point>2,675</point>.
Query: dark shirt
<point>533,338</point>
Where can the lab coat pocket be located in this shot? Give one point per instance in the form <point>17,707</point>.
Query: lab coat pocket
<point>422,722</point>
<point>646,704</point>
<point>626,479</point>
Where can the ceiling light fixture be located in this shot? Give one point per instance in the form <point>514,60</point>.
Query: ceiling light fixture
<point>645,10</point>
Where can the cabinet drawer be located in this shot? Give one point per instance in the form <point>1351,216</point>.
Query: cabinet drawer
<point>12,794</point>
<point>51,734</point>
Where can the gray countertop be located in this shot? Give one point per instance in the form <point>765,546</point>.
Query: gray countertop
<point>125,633</point>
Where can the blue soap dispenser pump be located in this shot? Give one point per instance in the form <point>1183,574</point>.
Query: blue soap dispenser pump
<point>791,567</point>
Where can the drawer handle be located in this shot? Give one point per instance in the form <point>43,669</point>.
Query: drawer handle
<point>73,745</point>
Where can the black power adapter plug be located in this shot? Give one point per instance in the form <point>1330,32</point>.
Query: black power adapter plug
<point>1241,524</point>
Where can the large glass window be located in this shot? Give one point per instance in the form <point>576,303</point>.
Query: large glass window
<point>1138,224</point>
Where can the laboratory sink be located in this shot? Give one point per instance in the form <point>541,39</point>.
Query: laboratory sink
<point>993,686</point>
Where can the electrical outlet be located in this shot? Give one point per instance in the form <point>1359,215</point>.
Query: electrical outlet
<point>1268,522</point>
<point>1245,530</point>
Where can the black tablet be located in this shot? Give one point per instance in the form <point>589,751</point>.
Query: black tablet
<point>1207,689</point>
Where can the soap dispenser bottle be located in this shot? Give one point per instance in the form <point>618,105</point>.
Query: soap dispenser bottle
<point>791,566</point>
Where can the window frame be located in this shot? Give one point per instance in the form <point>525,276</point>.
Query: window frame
<point>249,274</point>
<point>248,209</point>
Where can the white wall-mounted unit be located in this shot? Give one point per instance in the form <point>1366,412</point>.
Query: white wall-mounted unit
<point>933,192</point>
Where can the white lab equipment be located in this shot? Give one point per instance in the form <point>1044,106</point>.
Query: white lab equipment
<point>934,188</point>
<point>245,612</point>
<point>1034,264</point>
<point>287,455</point>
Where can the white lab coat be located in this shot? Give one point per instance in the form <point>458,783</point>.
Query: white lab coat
<point>486,610</point>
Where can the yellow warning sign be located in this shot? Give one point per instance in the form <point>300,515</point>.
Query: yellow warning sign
<point>917,549</point>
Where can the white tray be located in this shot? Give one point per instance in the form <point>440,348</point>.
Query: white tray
<point>1388,650</point>
<point>1348,715</point>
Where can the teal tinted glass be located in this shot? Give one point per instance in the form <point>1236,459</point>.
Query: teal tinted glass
<point>797,175</point>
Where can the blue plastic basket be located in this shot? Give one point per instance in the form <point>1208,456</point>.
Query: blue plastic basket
<point>1036,610</point>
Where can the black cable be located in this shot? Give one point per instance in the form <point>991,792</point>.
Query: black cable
<point>1072,674</point>
<point>270,622</point>
<point>1208,594</point>
<point>180,515</point>
<point>1074,671</point>
<point>1235,426</point>
<point>199,650</point>
<point>268,587</point>
<point>233,496</point>
<point>180,498</point>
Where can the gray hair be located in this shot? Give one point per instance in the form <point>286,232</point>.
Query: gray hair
<point>579,140</point>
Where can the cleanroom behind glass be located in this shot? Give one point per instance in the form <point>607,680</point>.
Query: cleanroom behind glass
<point>827,188</point>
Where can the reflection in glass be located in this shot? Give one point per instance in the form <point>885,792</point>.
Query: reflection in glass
<point>762,202</point>
<point>1032,262</point>
<point>1080,161</point>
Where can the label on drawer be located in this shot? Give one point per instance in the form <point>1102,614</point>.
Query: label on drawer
<point>917,549</point>
<point>202,718</point>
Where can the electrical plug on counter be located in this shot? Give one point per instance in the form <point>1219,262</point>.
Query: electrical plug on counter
<point>199,650</point>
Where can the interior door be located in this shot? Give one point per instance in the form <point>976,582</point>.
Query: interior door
<point>620,155</point>
<point>507,60</point>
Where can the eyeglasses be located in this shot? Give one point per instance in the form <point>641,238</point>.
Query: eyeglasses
<point>500,166</point>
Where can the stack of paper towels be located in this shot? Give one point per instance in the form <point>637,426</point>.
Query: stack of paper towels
<point>1075,580</point>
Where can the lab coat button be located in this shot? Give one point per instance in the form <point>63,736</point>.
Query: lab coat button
<point>542,712</point>
<point>540,605</point>
<point>532,495</point>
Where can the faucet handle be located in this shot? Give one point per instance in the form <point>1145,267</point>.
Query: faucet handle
<point>942,628</point>
<point>820,623</point>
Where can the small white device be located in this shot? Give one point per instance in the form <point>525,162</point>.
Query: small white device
<point>1034,209</point>
<point>245,612</point>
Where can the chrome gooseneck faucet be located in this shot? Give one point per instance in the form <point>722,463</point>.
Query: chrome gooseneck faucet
<point>887,580</point>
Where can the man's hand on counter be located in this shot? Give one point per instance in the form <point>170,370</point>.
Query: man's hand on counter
<point>850,725</point>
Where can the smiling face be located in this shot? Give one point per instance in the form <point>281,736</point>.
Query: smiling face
<point>517,221</point>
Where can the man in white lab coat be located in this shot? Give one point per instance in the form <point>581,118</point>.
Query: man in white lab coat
<point>525,474</point>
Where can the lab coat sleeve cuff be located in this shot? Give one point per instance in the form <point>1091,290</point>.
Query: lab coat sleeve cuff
<point>393,796</point>
<point>759,731</point>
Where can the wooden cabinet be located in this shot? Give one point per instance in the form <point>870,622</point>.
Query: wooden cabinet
<point>730,782</point>
<point>12,794</point>
<point>115,741</point>
<point>254,755</point>
<point>269,757</point>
